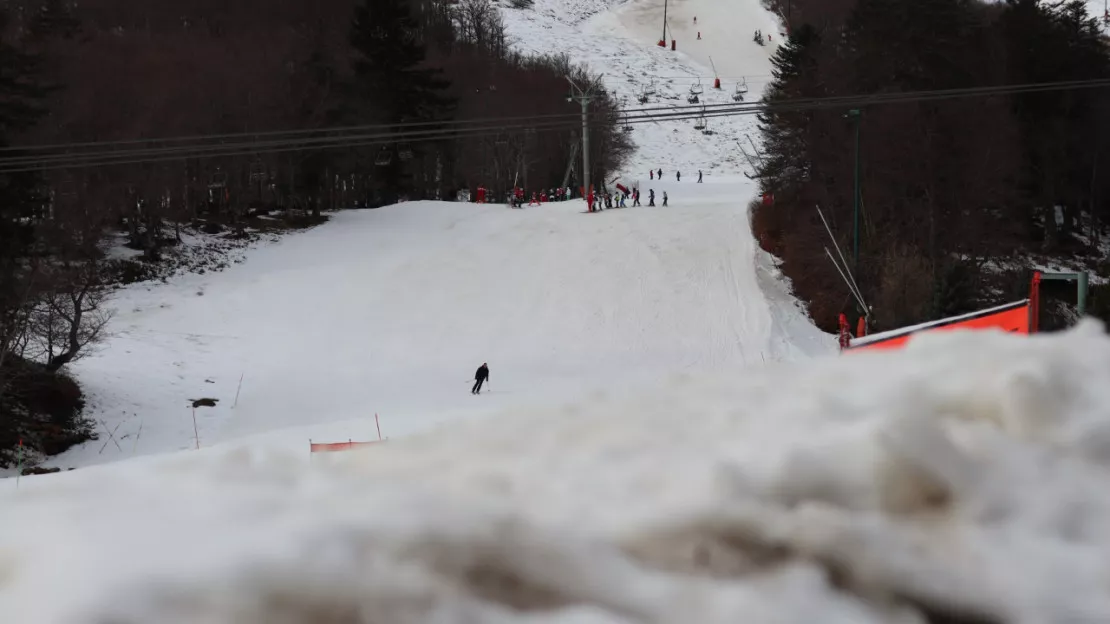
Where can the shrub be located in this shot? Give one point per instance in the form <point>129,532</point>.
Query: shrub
<point>40,408</point>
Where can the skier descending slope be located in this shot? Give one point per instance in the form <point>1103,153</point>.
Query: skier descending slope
<point>480,377</point>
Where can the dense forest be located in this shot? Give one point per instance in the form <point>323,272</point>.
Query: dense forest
<point>956,196</point>
<point>117,70</point>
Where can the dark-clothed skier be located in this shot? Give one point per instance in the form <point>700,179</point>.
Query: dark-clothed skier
<point>699,176</point>
<point>480,377</point>
<point>678,175</point>
<point>651,197</point>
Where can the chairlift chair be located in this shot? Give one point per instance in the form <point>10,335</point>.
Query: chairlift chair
<point>741,89</point>
<point>217,180</point>
<point>699,123</point>
<point>384,158</point>
<point>650,89</point>
<point>695,90</point>
<point>405,151</point>
<point>67,188</point>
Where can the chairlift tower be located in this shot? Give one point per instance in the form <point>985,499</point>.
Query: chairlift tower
<point>583,97</point>
<point>664,39</point>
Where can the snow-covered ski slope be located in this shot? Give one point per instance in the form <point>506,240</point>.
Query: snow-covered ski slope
<point>966,475</point>
<point>618,39</point>
<point>389,311</point>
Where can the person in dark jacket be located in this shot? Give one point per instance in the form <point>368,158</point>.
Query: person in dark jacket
<point>480,378</point>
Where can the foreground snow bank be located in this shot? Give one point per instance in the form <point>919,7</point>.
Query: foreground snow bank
<point>966,475</point>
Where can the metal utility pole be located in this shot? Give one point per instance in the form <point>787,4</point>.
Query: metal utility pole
<point>583,97</point>
<point>855,113</point>
<point>664,22</point>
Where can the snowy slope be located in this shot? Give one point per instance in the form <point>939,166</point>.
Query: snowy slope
<point>618,39</point>
<point>389,311</point>
<point>966,474</point>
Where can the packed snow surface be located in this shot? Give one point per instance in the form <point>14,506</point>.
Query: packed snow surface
<point>390,311</point>
<point>966,475</point>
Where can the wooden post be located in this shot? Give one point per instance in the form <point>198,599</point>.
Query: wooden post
<point>196,435</point>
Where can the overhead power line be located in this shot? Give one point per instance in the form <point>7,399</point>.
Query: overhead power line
<point>109,153</point>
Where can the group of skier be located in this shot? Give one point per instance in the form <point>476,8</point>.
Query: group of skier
<point>653,174</point>
<point>558,194</point>
<point>605,201</point>
<point>595,200</point>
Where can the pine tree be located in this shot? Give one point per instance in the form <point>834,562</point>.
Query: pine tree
<point>55,19</point>
<point>21,106</point>
<point>909,45</point>
<point>1045,43</point>
<point>394,81</point>
<point>21,207</point>
<point>785,165</point>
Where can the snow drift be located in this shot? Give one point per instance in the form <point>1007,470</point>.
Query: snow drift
<point>963,476</point>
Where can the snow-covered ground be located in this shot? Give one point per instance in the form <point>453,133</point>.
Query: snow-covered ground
<point>620,43</point>
<point>659,443</point>
<point>966,475</point>
<point>389,312</point>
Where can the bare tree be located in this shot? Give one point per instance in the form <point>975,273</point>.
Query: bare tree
<point>68,316</point>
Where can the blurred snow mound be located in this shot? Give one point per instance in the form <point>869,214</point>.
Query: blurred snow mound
<point>961,480</point>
